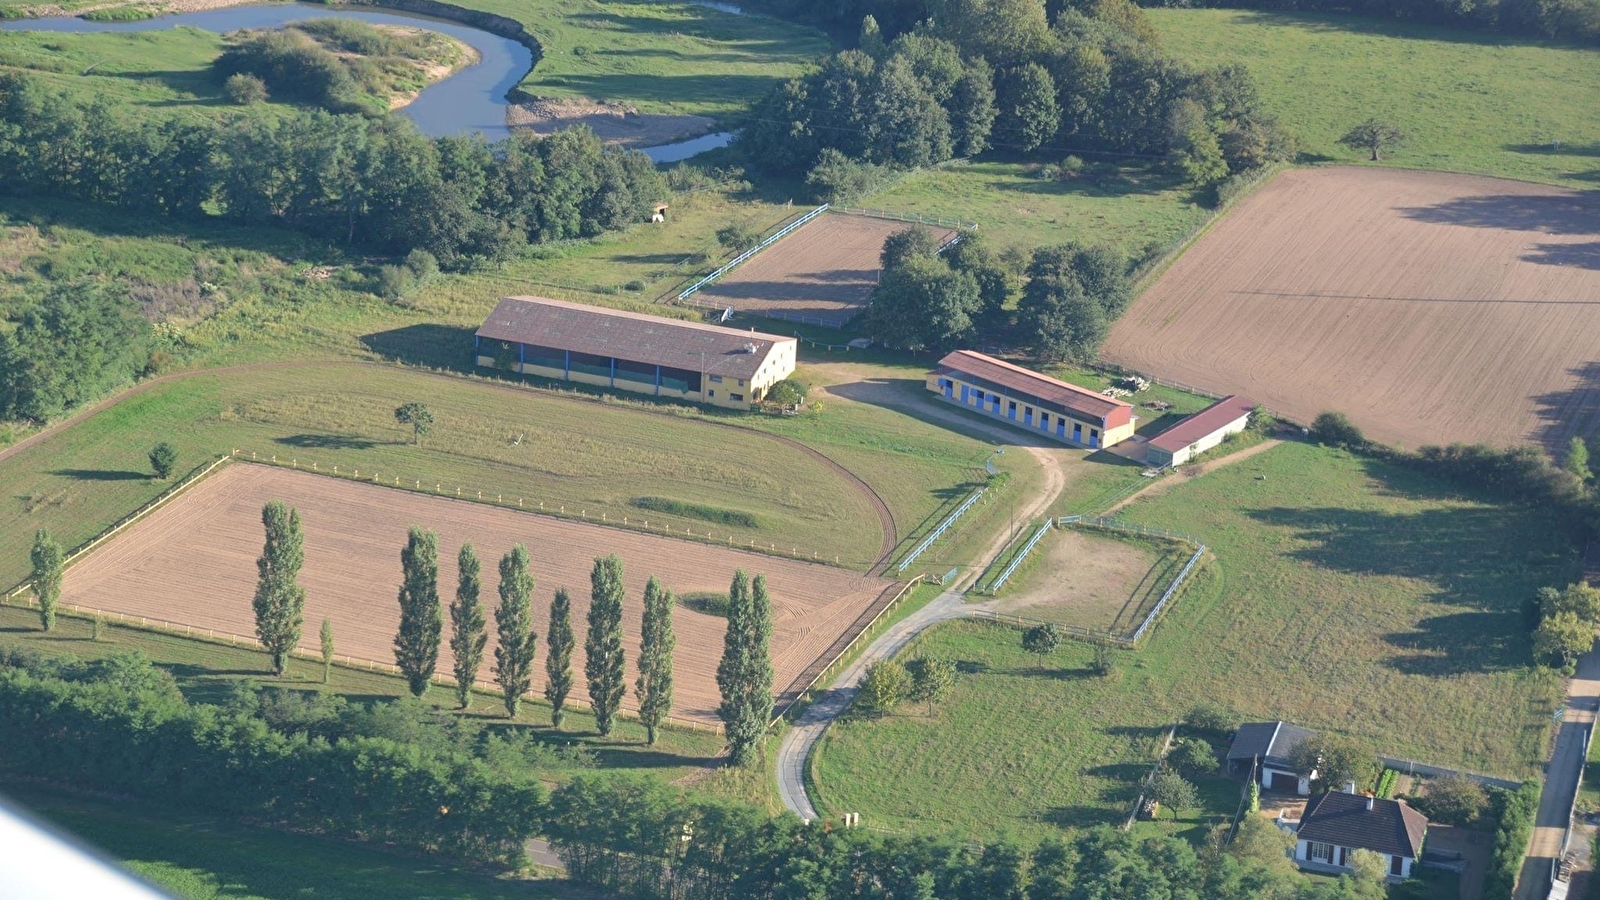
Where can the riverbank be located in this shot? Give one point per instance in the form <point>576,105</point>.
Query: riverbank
<point>617,124</point>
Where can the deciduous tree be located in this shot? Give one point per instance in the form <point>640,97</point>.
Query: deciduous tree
<point>884,687</point>
<point>654,687</point>
<point>48,563</point>
<point>1169,789</point>
<point>602,646</point>
<point>1042,639</point>
<point>1029,113</point>
<point>932,679</point>
<point>418,416</point>
<point>469,631</point>
<point>513,620</point>
<point>1335,759</point>
<point>1564,636</point>
<point>1374,136</point>
<point>416,644</point>
<point>744,675</point>
<point>558,656</point>
<point>280,600</point>
<point>1577,461</point>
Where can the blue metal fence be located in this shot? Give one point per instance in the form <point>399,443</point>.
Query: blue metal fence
<point>1021,555</point>
<point>943,526</point>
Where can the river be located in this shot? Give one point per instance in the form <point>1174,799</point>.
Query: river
<point>471,100</point>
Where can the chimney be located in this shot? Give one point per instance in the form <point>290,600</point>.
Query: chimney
<point>1349,787</point>
<point>1370,799</point>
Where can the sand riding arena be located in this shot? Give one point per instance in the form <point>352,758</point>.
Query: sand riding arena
<point>822,273</point>
<point>1430,308</point>
<point>192,562</point>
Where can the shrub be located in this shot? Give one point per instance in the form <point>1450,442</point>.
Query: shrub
<point>1453,800</point>
<point>1212,720</point>
<point>1042,639</point>
<point>394,282</point>
<point>738,237</point>
<point>244,89</point>
<point>1385,788</point>
<point>163,459</point>
<point>1193,756</point>
<point>788,392</point>
<point>1516,813</point>
<point>886,685</point>
<point>422,265</point>
<point>730,517</point>
<point>1336,429</point>
<point>837,178</point>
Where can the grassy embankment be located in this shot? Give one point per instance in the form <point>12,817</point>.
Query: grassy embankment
<point>199,857</point>
<point>1472,102</point>
<point>1347,595</point>
<point>671,58</point>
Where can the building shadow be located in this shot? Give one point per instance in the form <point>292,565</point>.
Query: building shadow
<point>427,344</point>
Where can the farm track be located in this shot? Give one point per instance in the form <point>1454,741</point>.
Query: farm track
<point>888,541</point>
<point>1429,307</point>
<point>191,562</point>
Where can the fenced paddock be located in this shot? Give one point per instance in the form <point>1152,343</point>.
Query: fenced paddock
<point>191,562</point>
<point>820,273</point>
<point>1109,587</point>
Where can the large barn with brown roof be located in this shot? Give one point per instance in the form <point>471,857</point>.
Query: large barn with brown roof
<point>1031,401</point>
<point>634,352</point>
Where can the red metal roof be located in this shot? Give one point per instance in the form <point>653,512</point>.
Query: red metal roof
<point>1203,423</point>
<point>629,335</point>
<point>1027,382</point>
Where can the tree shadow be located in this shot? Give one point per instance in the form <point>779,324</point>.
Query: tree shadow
<point>1576,213</point>
<point>1569,412</point>
<point>1480,578</point>
<point>330,442</point>
<point>1081,816</point>
<point>100,475</point>
<point>437,346</point>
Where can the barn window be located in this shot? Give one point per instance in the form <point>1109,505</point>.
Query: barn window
<point>716,379</point>
<point>737,398</point>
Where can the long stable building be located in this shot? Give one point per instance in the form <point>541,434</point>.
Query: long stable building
<point>1031,401</point>
<point>634,352</point>
<point>1201,431</point>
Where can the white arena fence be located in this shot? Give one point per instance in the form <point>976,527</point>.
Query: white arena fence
<point>739,260</point>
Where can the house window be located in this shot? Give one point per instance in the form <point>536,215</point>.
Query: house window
<point>737,398</point>
<point>717,379</point>
<point>741,382</point>
<point>1319,852</point>
<point>1396,866</point>
<point>711,393</point>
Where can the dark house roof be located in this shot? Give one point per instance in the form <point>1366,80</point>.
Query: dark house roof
<point>628,335</point>
<point>1390,826</point>
<point>1044,390</point>
<point>1271,741</point>
<point>1223,412</point>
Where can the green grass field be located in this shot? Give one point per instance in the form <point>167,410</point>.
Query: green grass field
<point>197,857</point>
<point>1481,103</point>
<point>1347,594</point>
<point>1129,208</point>
<point>581,455</point>
<point>167,71</point>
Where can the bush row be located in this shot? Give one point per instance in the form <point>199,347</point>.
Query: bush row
<point>1516,814</point>
<point>717,515</point>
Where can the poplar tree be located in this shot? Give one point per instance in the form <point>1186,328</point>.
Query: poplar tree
<point>558,656</point>
<point>513,659</point>
<point>602,647</point>
<point>280,601</point>
<point>416,645</point>
<point>468,626</point>
<point>48,562</point>
<point>327,648</point>
<point>654,687</point>
<point>744,675</point>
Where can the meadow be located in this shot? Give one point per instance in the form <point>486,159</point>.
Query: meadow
<point>198,857</point>
<point>1472,102</point>
<point>1346,594</point>
<point>1136,209</point>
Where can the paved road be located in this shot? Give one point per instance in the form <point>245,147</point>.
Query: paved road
<point>1561,779</point>
<point>797,743</point>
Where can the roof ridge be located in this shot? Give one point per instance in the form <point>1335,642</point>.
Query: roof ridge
<point>1032,373</point>
<point>647,317</point>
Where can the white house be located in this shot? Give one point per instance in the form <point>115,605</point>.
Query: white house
<point>1337,824</point>
<point>1268,746</point>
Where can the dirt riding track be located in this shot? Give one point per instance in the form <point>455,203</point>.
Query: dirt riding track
<point>821,273</point>
<point>193,562</point>
<point>1430,308</point>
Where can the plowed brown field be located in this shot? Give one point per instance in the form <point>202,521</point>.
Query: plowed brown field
<point>1430,308</point>
<point>822,272</point>
<point>193,562</point>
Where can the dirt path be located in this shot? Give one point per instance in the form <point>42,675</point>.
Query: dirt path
<point>1162,485</point>
<point>1561,779</point>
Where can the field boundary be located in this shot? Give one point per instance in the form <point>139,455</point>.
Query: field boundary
<point>871,614</point>
<point>739,260</point>
<point>126,521</point>
<point>914,218</point>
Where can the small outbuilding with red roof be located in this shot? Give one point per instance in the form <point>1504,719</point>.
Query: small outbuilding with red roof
<point>1200,432</point>
<point>1031,401</point>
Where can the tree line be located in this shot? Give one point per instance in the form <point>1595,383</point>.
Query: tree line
<point>744,675</point>
<point>375,184</point>
<point>963,76</point>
